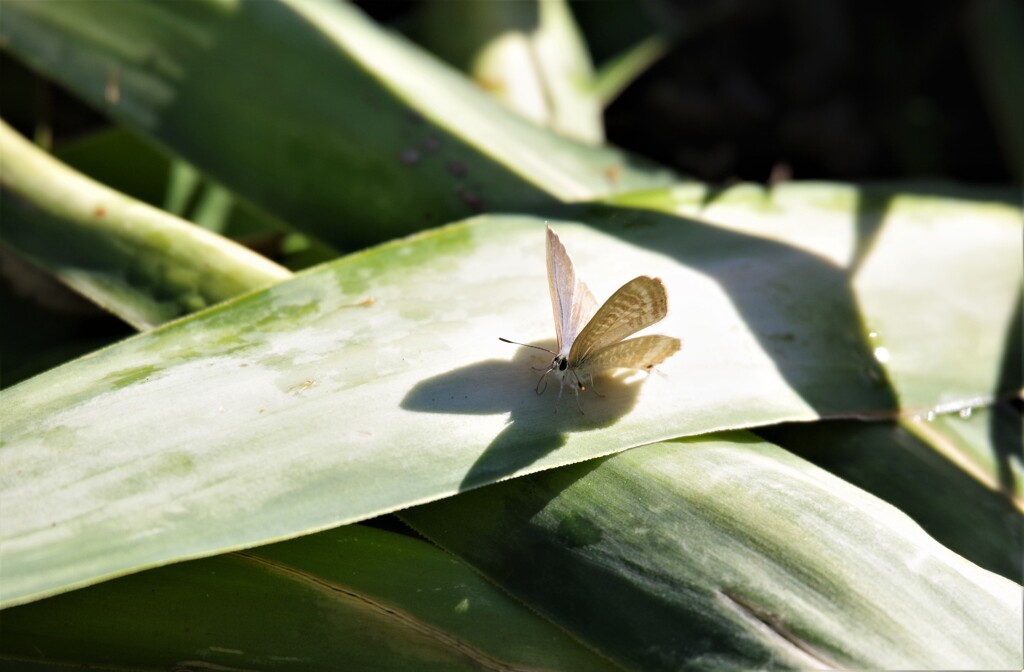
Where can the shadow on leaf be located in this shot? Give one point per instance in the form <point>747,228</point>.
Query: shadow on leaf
<point>537,423</point>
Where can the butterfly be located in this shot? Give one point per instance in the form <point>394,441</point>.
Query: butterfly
<point>590,339</point>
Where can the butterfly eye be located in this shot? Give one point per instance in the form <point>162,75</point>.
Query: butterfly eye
<point>563,364</point>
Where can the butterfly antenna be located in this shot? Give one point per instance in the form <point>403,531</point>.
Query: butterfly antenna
<point>535,347</point>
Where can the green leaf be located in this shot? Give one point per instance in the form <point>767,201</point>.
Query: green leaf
<point>730,552</point>
<point>356,598</point>
<point>347,131</point>
<point>177,187</point>
<point>138,262</point>
<point>377,382</point>
<point>946,473</point>
<point>901,254</point>
<point>529,55</point>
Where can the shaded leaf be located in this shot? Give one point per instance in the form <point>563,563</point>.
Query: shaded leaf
<point>942,473</point>
<point>727,551</point>
<point>312,111</point>
<point>356,597</point>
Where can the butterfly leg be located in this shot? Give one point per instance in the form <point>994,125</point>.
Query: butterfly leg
<point>578,404</point>
<point>594,388</point>
<point>538,389</point>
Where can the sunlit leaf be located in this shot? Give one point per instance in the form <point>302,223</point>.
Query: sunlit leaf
<point>378,382</point>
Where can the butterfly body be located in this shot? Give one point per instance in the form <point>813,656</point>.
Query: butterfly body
<point>592,339</point>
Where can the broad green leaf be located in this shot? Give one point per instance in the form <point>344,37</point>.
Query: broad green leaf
<point>727,551</point>
<point>311,110</point>
<point>529,55</point>
<point>378,382</point>
<point>942,473</point>
<point>355,598</point>
<point>138,262</point>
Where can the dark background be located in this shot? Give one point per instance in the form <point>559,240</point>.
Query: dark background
<point>762,90</point>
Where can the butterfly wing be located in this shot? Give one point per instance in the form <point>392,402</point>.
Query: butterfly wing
<point>571,301</point>
<point>642,352</point>
<point>637,304</point>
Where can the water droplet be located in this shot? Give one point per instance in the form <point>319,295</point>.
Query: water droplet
<point>872,334</point>
<point>930,416</point>
<point>882,354</point>
<point>965,413</point>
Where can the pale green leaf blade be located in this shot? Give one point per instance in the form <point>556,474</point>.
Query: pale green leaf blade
<point>355,598</point>
<point>142,264</point>
<point>727,551</point>
<point>381,377</point>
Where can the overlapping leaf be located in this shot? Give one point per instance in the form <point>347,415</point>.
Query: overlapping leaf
<point>356,598</point>
<point>729,552</point>
<point>141,263</point>
<point>311,110</point>
<point>377,382</point>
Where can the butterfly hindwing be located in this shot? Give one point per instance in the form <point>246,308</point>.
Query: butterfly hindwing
<point>571,301</point>
<point>637,304</point>
<point>642,353</point>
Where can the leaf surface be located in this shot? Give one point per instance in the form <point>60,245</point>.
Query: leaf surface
<point>727,551</point>
<point>377,382</point>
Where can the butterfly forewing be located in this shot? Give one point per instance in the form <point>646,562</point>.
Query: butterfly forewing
<point>571,300</point>
<point>642,352</point>
<point>638,304</point>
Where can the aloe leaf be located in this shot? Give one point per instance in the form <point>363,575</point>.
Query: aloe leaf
<point>727,551</point>
<point>380,377</point>
<point>354,598</point>
<point>346,131</point>
<point>899,251</point>
<point>177,187</point>
<point>945,473</point>
<point>138,262</point>
<point>528,55</point>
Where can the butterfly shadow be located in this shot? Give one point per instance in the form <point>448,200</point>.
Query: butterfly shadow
<point>537,423</point>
